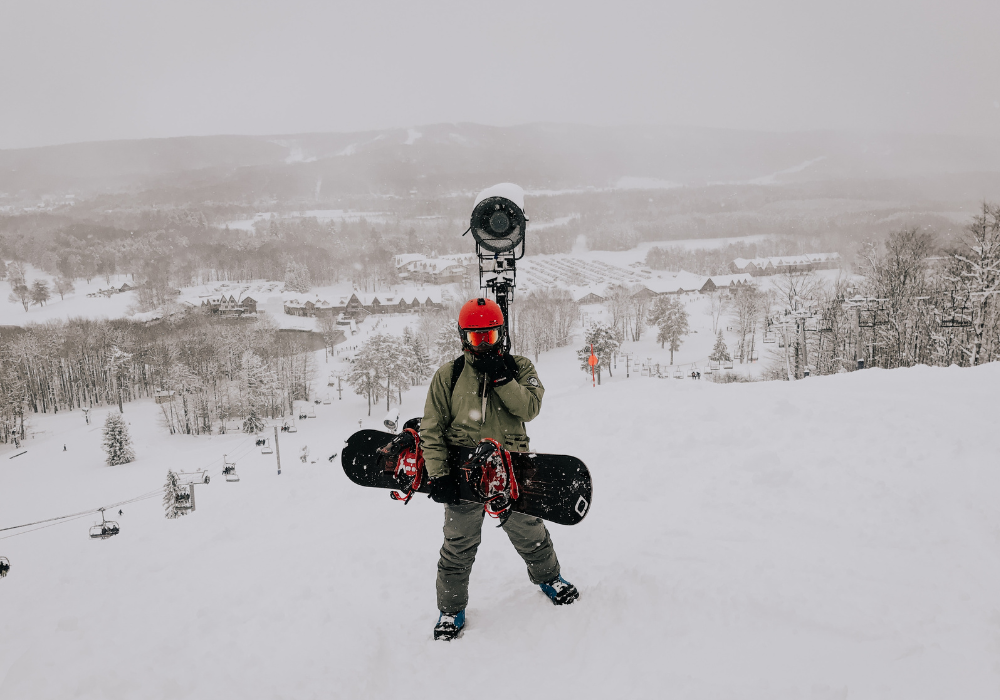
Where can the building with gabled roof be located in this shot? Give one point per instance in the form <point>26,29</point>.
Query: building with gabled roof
<point>229,306</point>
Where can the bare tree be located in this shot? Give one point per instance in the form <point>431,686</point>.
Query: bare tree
<point>976,271</point>
<point>749,304</point>
<point>20,293</point>
<point>718,305</point>
<point>64,286</point>
<point>896,274</point>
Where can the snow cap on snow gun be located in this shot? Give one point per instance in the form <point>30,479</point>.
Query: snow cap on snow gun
<point>391,420</point>
<point>498,221</point>
<point>480,325</point>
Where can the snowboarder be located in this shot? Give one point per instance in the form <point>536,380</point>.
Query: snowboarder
<point>485,393</point>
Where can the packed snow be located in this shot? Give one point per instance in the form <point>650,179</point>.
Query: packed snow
<point>829,538</point>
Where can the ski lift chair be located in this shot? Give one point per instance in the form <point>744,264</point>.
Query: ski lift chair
<point>311,413</point>
<point>4,566</point>
<point>267,449</point>
<point>229,470</point>
<point>678,373</point>
<point>326,400</point>
<point>182,500</point>
<point>713,366</point>
<point>290,427</point>
<point>106,529</point>
<point>199,476</point>
<point>769,338</point>
<point>728,364</point>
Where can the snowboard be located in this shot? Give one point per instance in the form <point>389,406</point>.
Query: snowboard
<point>556,488</point>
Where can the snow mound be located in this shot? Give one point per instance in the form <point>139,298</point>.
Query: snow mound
<point>829,538</point>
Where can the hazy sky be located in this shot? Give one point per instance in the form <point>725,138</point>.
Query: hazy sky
<point>74,70</point>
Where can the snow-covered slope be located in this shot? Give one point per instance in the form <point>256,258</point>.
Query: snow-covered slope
<point>831,538</point>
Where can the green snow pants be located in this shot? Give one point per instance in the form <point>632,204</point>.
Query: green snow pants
<point>463,531</point>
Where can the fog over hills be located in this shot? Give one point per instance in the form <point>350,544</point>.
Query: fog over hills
<point>444,159</point>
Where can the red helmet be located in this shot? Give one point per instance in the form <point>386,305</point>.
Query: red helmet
<point>480,313</point>
<point>480,323</point>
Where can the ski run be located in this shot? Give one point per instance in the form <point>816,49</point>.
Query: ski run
<point>825,539</point>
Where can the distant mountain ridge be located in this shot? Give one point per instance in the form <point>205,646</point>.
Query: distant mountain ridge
<point>440,159</point>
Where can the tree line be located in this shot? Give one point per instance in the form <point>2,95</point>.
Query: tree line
<point>917,303</point>
<point>208,373</point>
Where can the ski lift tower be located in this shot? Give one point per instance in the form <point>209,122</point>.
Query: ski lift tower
<point>795,317</point>
<point>498,225</point>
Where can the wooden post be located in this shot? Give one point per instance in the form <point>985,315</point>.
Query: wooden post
<point>191,491</point>
<point>277,452</point>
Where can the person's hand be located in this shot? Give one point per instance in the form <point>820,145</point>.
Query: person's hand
<point>497,368</point>
<point>444,489</point>
<point>402,442</point>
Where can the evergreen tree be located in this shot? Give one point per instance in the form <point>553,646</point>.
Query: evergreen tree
<point>422,360</point>
<point>605,341</point>
<point>297,277</point>
<point>171,490</point>
<point>447,343</point>
<point>40,292</point>
<point>419,364</point>
<point>117,442</point>
<point>720,353</point>
<point>255,384</point>
<point>671,319</point>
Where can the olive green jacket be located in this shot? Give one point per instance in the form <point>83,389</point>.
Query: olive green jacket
<point>463,418</point>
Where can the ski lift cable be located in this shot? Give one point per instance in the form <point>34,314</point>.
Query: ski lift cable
<point>42,527</point>
<point>73,516</point>
<point>245,446</point>
<point>50,520</point>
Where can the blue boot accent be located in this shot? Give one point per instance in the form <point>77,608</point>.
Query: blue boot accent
<point>449,625</point>
<point>560,591</point>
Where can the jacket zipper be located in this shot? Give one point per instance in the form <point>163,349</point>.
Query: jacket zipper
<point>482,420</point>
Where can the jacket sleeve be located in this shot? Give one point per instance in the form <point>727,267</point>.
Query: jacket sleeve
<point>523,397</point>
<point>434,424</point>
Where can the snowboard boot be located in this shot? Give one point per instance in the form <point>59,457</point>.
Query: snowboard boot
<point>449,625</point>
<point>560,591</point>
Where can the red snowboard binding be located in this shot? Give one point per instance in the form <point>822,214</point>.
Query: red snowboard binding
<point>404,458</point>
<point>490,474</point>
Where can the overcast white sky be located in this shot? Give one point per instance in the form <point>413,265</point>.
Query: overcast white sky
<point>75,70</point>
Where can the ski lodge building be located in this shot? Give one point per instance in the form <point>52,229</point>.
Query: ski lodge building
<point>785,263</point>
<point>670,283</point>
<point>423,269</point>
<point>359,305</point>
<point>229,306</point>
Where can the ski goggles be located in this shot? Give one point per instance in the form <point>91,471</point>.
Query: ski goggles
<point>485,337</point>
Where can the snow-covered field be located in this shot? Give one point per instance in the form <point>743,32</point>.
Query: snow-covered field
<point>268,294</point>
<point>831,538</point>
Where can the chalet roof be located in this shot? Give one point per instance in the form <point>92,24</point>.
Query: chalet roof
<point>405,258</point>
<point>729,280</point>
<point>672,283</point>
